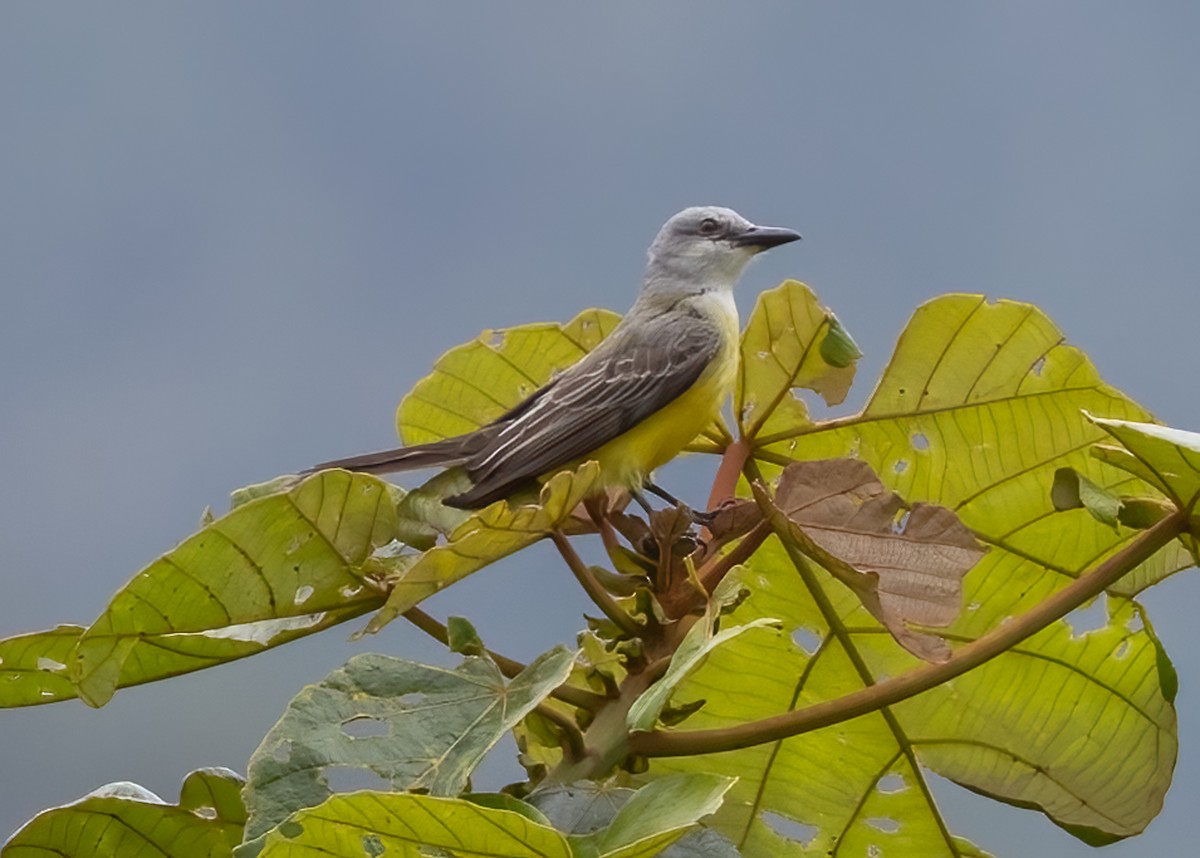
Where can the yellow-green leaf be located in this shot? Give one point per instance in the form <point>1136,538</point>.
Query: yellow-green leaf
<point>273,569</point>
<point>790,342</point>
<point>123,819</point>
<point>33,667</point>
<point>485,537</point>
<point>979,406</point>
<point>403,824</point>
<point>1171,455</point>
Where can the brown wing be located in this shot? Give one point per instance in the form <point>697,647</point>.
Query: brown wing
<point>631,375</point>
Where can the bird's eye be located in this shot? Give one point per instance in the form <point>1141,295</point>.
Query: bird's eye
<point>709,226</point>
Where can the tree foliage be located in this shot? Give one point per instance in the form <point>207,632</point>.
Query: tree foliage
<point>883,594</point>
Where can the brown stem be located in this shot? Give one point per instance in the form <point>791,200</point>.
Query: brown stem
<point>579,697</point>
<point>874,697</point>
<point>725,482</point>
<point>603,599</point>
<point>712,572</point>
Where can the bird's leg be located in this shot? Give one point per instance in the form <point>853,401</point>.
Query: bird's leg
<point>637,495</point>
<point>702,518</point>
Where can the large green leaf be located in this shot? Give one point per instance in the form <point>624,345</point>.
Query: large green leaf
<point>495,532</point>
<point>415,726</point>
<point>373,824</point>
<point>33,667</point>
<point>476,382</point>
<point>274,569</point>
<point>977,409</point>
<point>126,820</point>
<point>791,341</point>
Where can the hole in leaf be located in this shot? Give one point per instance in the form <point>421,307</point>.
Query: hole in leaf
<point>350,591</point>
<point>364,726</point>
<point>1134,623</point>
<point>282,752</point>
<point>884,823</point>
<point>1089,618</point>
<point>974,606</point>
<point>893,783</point>
<point>205,812</point>
<point>789,829</point>
<point>1122,650</point>
<point>920,441</point>
<point>372,846</point>
<point>901,466</point>
<point>900,521</point>
<point>763,355</point>
<point>496,339</point>
<point>44,663</point>
<point>873,851</point>
<point>807,640</point>
<point>302,594</point>
<point>352,778</point>
<point>1039,365</point>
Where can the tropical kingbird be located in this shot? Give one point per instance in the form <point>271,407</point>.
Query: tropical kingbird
<point>638,398</point>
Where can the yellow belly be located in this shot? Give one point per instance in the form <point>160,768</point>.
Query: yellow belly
<point>628,459</point>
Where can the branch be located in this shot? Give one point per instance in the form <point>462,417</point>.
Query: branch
<point>872,698</point>
<point>725,482</point>
<point>603,599</point>
<point>578,697</point>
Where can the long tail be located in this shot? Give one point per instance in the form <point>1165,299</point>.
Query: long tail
<point>433,455</point>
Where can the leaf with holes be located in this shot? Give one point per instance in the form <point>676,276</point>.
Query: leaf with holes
<point>125,819</point>
<point>272,570</point>
<point>979,406</point>
<point>488,535</point>
<point>790,342</point>
<point>904,571</point>
<point>412,725</point>
<point>33,667</point>
<point>372,824</point>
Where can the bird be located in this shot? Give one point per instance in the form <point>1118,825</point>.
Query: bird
<point>638,398</point>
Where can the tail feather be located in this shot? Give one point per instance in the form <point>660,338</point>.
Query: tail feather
<point>434,455</point>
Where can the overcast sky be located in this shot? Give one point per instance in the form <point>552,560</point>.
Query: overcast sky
<point>233,235</point>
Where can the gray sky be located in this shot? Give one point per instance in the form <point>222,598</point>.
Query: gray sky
<point>235,234</point>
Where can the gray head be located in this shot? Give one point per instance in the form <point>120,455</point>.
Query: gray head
<point>706,247</point>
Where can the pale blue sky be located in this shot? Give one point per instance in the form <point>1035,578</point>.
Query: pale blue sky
<point>234,234</point>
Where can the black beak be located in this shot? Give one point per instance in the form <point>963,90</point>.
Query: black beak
<point>765,237</point>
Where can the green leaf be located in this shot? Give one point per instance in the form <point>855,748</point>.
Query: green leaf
<point>1171,455</point>
<point>1072,490</point>
<point>976,410</point>
<point>402,824</point>
<point>415,726</point>
<point>700,640</point>
<point>790,342</point>
<point>477,382</point>
<point>658,814</point>
<point>272,570</point>
<point>462,637</point>
<point>33,667</point>
<point>608,820</point>
<point>495,532</point>
<point>126,820</point>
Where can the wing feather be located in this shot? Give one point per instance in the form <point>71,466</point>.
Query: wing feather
<point>627,378</point>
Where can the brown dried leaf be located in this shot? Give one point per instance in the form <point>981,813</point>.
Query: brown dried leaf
<point>735,517</point>
<point>904,568</point>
